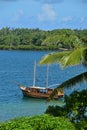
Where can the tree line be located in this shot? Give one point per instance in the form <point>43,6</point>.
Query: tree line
<point>30,39</point>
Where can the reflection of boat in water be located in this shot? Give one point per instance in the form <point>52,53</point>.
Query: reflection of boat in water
<point>39,92</point>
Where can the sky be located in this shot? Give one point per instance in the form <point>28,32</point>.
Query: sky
<point>43,14</point>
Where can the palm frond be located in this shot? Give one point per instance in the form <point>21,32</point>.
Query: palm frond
<point>69,83</point>
<point>74,58</point>
<point>53,57</point>
<point>66,58</point>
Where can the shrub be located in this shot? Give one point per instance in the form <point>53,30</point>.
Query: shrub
<point>43,122</point>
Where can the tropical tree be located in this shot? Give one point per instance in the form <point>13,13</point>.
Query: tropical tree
<point>69,58</point>
<point>75,109</point>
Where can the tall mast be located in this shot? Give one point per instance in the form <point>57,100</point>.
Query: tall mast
<point>34,73</point>
<point>47,76</point>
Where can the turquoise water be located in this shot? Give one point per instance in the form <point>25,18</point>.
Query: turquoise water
<point>17,66</point>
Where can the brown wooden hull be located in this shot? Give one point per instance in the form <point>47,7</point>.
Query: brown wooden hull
<point>42,95</point>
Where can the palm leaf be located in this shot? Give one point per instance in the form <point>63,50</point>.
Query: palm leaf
<point>69,83</point>
<point>53,57</point>
<point>74,58</point>
<point>66,58</point>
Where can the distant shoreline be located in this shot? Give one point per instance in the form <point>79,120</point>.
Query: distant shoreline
<point>36,39</point>
<point>27,47</point>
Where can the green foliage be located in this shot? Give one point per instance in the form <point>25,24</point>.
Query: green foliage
<point>62,41</point>
<point>43,122</point>
<point>66,58</point>
<point>56,111</point>
<point>49,40</point>
<point>76,106</point>
<point>85,57</point>
<point>54,57</point>
<point>82,125</point>
<point>75,109</point>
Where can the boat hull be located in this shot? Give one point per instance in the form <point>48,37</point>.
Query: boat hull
<point>39,94</point>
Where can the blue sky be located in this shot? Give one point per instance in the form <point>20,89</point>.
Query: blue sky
<point>43,14</point>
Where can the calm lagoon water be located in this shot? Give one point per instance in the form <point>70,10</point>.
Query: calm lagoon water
<point>17,66</point>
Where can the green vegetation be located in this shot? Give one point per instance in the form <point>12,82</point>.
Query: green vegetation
<point>35,39</point>
<point>72,57</point>
<point>43,122</point>
<point>75,107</point>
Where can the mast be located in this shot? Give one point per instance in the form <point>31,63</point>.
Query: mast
<point>47,76</point>
<point>34,73</point>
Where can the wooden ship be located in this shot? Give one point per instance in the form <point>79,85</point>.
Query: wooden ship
<point>39,92</point>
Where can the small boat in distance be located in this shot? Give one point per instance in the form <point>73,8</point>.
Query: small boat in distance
<point>39,92</point>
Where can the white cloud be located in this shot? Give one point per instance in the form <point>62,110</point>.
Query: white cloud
<point>47,13</point>
<point>67,19</point>
<point>18,15</point>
